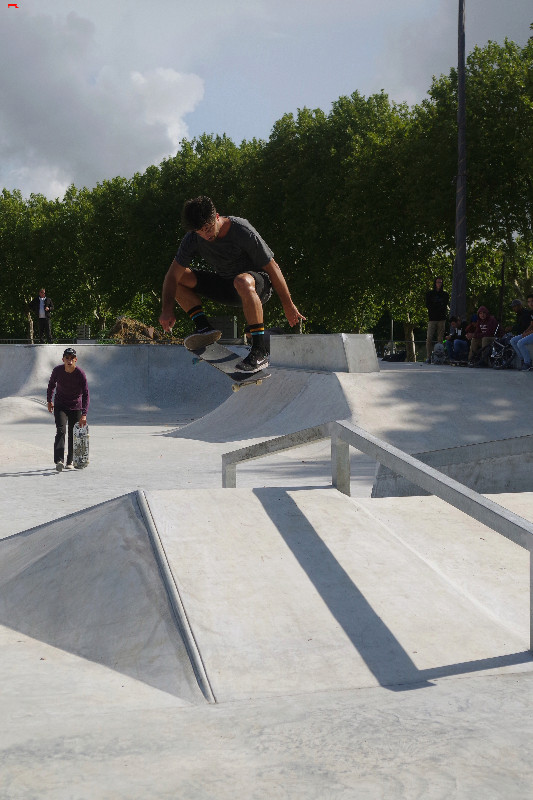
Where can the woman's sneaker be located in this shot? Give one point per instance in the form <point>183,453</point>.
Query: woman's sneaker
<point>202,338</point>
<point>255,361</point>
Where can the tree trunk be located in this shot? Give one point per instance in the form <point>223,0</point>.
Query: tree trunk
<point>458,298</point>
<point>409,335</point>
<point>30,327</point>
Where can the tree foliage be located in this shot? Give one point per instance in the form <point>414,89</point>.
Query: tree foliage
<point>358,205</point>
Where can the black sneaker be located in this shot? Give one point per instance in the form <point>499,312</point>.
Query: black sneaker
<point>59,466</point>
<point>255,361</point>
<point>202,338</point>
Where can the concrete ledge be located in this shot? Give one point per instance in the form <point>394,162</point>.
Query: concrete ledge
<point>502,465</point>
<point>335,352</point>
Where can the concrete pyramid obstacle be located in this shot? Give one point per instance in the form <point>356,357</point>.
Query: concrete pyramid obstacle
<point>291,592</point>
<point>90,584</point>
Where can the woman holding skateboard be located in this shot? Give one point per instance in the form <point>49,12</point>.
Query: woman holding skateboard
<point>69,404</point>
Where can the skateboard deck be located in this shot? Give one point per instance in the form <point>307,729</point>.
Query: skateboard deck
<point>225,361</point>
<point>80,454</point>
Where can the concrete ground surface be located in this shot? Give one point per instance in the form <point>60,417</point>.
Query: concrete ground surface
<point>163,637</point>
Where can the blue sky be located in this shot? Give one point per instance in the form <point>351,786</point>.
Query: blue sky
<point>90,89</point>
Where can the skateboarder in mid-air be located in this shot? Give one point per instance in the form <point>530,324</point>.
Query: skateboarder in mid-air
<point>244,274</point>
<point>71,403</point>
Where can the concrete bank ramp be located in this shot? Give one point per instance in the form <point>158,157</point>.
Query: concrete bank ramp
<point>412,406</point>
<point>290,400</point>
<point>89,584</point>
<point>301,591</point>
<point>122,379</point>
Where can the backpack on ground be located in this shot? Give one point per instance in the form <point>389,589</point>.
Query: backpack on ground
<point>438,355</point>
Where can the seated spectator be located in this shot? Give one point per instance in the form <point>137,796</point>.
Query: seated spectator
<point>456,342</point>
<point>524,330</point>
<point>483,335</point>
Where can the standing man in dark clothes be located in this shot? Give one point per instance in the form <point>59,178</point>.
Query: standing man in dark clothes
<point>42,306</point>
<point>437,302</point>
<point>243,274</point>
<point>71,403</point>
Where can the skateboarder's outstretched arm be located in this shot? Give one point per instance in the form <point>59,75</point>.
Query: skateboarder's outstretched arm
<point>282,290</point>
<point>167,317</point>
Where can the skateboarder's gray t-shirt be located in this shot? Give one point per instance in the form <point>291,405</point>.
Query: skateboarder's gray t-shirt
<point>240,250</point>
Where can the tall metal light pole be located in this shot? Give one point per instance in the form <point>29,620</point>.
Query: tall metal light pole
<point>458,299</point>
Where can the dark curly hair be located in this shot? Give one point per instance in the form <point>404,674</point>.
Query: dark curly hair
<point>197,212</point>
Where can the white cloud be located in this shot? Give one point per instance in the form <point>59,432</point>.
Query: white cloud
<point>65,118</point>
<point>39,178</point>
<point>416,51</point>
<point>97,89</point>
<point>425,45</point>
<point>167,96</point>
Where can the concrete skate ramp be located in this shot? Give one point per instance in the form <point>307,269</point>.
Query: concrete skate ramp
<point>128,379</point>
<point>414,407</point>
<point>289,592</point>
<point>89,584</point>
<point>288,401</point>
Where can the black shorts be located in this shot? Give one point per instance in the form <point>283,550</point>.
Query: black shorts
<point>222,290</point>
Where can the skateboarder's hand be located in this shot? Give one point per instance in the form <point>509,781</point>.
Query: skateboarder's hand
<point>83,421</point>
<point>50,407</point>
<point>293,315</point>
<point>167,321</point>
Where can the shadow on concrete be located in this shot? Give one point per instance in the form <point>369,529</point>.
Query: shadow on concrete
<point>467,667</point>
<point>123,418</point>
<point>45,472</point>
<point>381,651</point>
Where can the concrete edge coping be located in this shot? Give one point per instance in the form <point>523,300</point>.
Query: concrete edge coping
<point>176,602</point>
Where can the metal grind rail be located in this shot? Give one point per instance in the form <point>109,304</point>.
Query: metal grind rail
<point>344,435</point>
